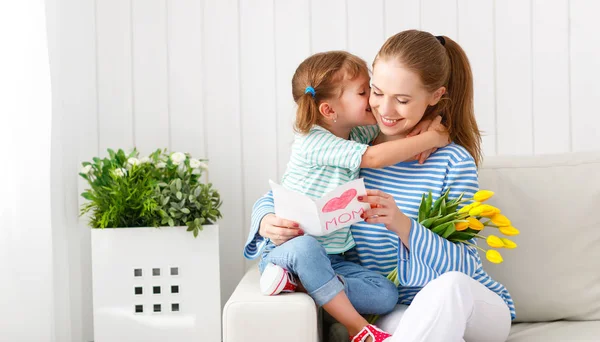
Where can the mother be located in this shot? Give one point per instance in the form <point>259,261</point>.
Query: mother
<point>444,291</point>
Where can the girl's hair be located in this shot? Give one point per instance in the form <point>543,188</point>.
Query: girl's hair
<point>323,72</point>
<point>440,61</point>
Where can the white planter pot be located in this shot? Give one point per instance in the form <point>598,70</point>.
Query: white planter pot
<point>156,284</point>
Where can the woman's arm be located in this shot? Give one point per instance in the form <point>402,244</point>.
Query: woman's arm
<point>424,255</point>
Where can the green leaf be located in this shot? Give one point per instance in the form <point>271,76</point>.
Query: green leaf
<point>165,201</point>
<point>179,195</point>
<point>436,206</point>
<point>460,236</point>
<point>422,209</point>
<point>455,203</point>
<point>87,196</point>
<point>196,232</point>
<point>441,228</point>
<point>449,230</point>
<point>185,210</point>
<point>171,222</point>
<point>428,204</point>
<point>443,207</point>
<point>444,219</point>
<point>427,223</point>
<point>178,185</point>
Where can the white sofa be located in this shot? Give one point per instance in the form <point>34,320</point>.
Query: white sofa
<point>553,276</point>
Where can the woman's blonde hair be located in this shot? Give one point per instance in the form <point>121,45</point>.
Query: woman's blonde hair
<point>440,62</point>
<point>324,72</point>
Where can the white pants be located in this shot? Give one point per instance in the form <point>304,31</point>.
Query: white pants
<point>454,307</point>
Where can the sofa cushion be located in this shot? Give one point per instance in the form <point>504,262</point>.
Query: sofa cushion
<point>249,316</point>
<point>555,331</point>
<point>554,201</point>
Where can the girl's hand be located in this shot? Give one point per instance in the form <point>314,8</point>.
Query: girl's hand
<point>424,126</point>
<point>278,230</point>
<point>384,210</point>
<point>444,136</point>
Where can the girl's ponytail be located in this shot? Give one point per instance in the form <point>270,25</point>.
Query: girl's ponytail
<point>307,114</point>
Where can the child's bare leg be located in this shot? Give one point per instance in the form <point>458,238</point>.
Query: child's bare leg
<point>342,310</point>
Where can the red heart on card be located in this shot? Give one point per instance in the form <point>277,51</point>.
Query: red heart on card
<point>341,202</point>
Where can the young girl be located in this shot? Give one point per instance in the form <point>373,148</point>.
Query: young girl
<point>331,90</point>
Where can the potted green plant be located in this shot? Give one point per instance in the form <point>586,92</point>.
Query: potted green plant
<point>154,245</point>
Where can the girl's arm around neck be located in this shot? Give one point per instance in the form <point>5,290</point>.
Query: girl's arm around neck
<point>393,152</point>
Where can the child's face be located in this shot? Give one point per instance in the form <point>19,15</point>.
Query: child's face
<point>398,98</point>
<point>352,107</point>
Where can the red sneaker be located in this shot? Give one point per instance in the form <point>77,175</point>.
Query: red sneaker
<point>377,334</point>
<point>276,279</point>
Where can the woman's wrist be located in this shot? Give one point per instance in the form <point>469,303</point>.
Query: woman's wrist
<point>402,227</point>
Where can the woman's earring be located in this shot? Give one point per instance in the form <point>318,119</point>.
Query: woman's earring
<point>334,119</point>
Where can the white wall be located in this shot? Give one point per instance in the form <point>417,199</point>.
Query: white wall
<point>213,78</point>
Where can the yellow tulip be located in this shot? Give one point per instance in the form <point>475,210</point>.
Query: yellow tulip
<point>483,195</point>
<point>474,223</point>
<point>500,220</point>
<point>493,256</point>
<point>487,210</point>
<point>460,226</point>
<point>508,243</point>
<point>509,230</point>
<point>476,211</point>
<point>494,241</point>
<point>467,208</point>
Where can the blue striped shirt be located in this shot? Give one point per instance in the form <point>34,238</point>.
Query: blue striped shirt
<point>430,255</point>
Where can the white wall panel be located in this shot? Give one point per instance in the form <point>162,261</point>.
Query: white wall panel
<point>185,86</point>
<point>328,19</point>
<point>400,15</point>
<point>550,49</point>
<point>223,133</point>
<point>365,29</point>
<point>115,98</point>
<point>513,77</point>
<point>585,72</point>
<point>476,36</point>
<point>150,78</point>
<point>292,46</point>
<point>439,17</point>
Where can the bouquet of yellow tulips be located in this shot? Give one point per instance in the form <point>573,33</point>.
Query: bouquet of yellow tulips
<point>462,225</point>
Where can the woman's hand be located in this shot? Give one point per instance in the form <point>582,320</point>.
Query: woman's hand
<point>384,210</point>
<point>425,126</point>
<point>278,230</point>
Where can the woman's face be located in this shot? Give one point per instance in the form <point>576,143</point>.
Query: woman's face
<point>398,99</point>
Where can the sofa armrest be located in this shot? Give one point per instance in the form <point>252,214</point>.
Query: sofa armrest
<point>250,316</point>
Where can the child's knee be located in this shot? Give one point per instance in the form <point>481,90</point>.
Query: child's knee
<point>305,246</point>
